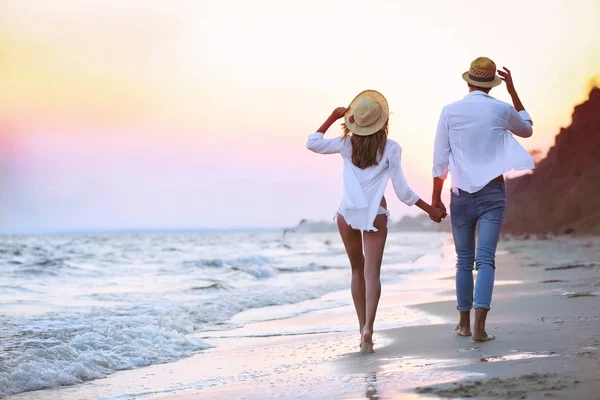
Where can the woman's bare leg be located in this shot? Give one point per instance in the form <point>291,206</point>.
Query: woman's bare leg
<point>353,243</point>
<point>374,243</point>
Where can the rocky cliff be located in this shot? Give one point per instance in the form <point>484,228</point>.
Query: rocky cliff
<point>563,193</point>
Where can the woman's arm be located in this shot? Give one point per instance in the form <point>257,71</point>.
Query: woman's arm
<point>335,115</point>
<point>403,191</point>
<point>318,144</point>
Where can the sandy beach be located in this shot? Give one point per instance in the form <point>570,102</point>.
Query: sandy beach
<point>545,316</point>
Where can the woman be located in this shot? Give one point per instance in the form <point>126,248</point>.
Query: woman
<point>370,160</point>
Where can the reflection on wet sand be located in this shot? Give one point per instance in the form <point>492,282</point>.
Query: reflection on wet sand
<point>371,386</point>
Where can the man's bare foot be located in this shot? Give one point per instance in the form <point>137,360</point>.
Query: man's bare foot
<point>482,337</point>
<point>463,330</point>
<point>479,334</point>
<point>366,342</point>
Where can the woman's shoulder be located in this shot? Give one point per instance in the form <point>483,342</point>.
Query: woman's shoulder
<point>391,144</point>
<point>346,144</point>
<point>393,150</point>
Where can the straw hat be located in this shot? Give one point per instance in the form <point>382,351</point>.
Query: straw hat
<point>367,113</point>
<point>482,74</point>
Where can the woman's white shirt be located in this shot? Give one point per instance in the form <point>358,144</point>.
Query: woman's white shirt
<point>364,188</point>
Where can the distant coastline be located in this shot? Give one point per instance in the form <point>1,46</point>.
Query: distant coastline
<point>420,223</point>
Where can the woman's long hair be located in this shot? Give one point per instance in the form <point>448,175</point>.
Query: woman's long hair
<point>367,150</point>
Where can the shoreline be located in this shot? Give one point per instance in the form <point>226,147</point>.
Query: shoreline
<point>329,318</point>
<point>547,343</point>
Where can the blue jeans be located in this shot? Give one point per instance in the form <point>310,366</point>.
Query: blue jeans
<point>483,210</point>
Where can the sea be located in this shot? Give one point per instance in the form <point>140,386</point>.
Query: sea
<point>78,307</point>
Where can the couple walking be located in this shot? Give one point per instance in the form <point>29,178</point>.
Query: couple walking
<point>475,143</point>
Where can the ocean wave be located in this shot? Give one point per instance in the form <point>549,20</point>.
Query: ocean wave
<point>258,266</point>
<point>36,271</point>
<point>217,263</point>
<point>210,263</point>
<point>257,271</point>
<point>39,267</point>
<point>49,262</point>
<point>91,354</point>
<point>305,268</point>
<point>16,289</point>
<point>61,350</point>
<point>255,265</point>
<point>216,286</point>
<point>251,260</point>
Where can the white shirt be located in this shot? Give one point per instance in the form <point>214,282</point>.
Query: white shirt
<point>364,188</point>
<point>474,141</point>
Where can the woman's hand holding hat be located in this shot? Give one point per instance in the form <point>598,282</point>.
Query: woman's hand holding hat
<point>339,113</point>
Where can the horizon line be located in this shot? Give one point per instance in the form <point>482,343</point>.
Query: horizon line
<point>137,230</point>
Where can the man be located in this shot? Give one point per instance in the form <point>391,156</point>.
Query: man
<point>475,142</point>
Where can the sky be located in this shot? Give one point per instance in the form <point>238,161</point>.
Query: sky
<point>126,114</point>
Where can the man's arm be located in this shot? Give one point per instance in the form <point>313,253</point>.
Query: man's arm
<point>518,120</point>
<point>441,162</point>
<point>506,76</point>
<point>436,197</point>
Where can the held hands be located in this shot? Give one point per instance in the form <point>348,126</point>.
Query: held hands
<point>437,215</point>
<point>438,211</point>
<point>437,203</point>
<point>506,76</point>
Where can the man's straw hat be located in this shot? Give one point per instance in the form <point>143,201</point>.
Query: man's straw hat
<point>482,74</point>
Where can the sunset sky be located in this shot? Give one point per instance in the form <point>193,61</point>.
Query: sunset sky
<point>120,114</point>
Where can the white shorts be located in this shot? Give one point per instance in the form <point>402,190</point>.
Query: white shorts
<point>380,211</point>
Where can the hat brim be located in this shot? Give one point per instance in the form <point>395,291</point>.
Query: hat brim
<point>486,85</point>
<point>375,126</point>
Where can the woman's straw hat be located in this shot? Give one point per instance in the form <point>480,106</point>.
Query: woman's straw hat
<point>482,74</point>
<point>367,113</point>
